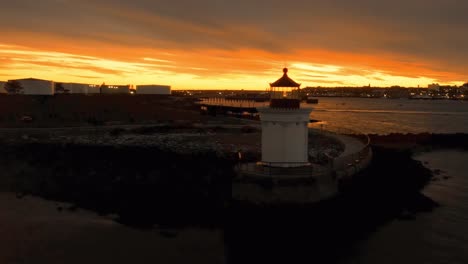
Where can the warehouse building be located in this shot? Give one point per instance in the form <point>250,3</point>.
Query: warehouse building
<point>32,86</point>
<point>153,89</point>
<point>116,89</point>
<point>76,88</point>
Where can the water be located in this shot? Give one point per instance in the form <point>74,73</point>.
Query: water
<point>437,237</point>
<point>384,116</point>
<point>440,236</point>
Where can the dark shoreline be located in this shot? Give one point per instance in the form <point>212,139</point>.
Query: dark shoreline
<point>95,177</point>
<point>143,186</point>
<point>388,190</point>
<point>420,141</point>
<point>148,186</point>
<point>328,232</point>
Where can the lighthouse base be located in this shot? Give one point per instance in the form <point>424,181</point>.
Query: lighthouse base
<point>267,185</point>
<point>284,164</point>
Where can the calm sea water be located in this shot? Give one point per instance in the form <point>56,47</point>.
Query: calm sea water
<point>384,116</point>
<point>440,236</point>
<point>437,237</point>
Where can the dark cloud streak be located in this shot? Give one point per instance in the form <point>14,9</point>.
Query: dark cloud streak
<point>420,29</point>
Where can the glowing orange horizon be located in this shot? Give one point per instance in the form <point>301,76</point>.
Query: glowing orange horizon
<point>205,68</point>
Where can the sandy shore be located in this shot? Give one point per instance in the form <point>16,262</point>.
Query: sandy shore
<point>33,230</point>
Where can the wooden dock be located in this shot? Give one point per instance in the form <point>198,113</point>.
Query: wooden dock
<point>221,106</point>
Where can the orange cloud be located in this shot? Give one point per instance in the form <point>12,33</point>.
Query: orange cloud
<point>211,68</point>
<point>236,44</point>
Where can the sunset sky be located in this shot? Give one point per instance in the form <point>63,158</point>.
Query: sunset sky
<point>241,44</point>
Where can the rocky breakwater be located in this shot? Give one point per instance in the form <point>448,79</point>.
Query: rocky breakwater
<point>177,179</point>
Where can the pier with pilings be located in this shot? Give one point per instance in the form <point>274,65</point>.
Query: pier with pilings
<point>221,106</point>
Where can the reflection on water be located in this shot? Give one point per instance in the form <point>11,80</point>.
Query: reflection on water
<point>384,116</point>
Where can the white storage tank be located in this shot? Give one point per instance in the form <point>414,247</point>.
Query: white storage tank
<point>33,86</point>
<point>153,89</point>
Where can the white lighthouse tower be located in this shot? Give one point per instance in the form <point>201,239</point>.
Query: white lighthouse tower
<point>284,126</point>
<point>284,174</point>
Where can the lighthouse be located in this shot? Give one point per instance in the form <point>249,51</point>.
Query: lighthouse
<point>284,126</point>
<point>284,174</point>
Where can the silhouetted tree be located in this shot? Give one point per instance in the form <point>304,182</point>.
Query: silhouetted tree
<point>465,84</point>
<point>13,87</point>
<point>103,85</point>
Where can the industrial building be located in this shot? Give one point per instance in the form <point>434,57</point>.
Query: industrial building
<point>78,88</point>
<point>115,89</point>
<point>32,86</point>
<point>153,89</point>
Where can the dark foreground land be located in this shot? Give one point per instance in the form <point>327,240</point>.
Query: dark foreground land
<point>146,187</point>
<point>71,110</point>
<point>143,186</point>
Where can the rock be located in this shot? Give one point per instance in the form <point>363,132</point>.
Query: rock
<point>168,233</point>
<point>20,195</point>
<point>72,208</point>
<point>406,215</point>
